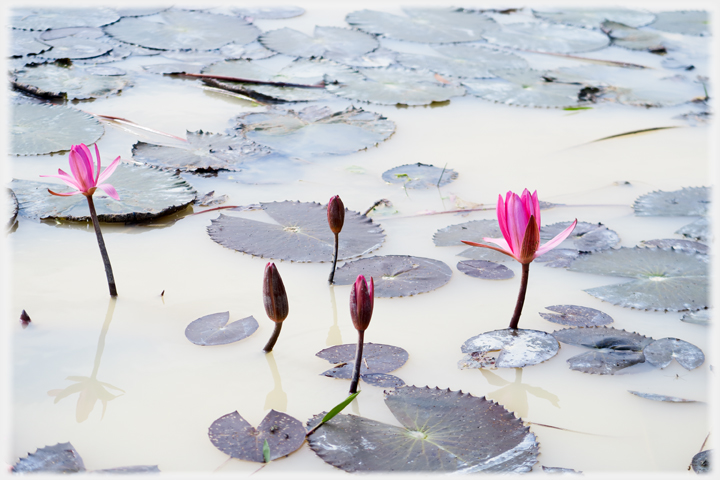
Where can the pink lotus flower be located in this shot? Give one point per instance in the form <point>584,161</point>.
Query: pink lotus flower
<point>84,177</point>
<point>519,219</point>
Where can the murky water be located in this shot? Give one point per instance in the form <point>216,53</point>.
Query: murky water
<point>169,391</point>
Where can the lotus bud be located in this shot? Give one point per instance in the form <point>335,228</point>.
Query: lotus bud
<point>362,299</point>
<point>336,214</point>
<point>274,296</point>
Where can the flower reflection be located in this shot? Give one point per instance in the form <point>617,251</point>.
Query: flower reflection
<point>334,336</point>
<point>277,398</point>
<point>514,396</point>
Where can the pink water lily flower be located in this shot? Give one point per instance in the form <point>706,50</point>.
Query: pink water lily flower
<point>519,219</point>
<point>84,177</point>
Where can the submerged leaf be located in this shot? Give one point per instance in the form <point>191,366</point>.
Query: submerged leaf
<point>661,398</point>
<point>213,329</point>
<point>343,41</point>
<point>518,348</point>
<point>687,201</point>
<point>605,362</point>
<point>661,352</point>
<point>485,269</point>
<point>39,129</point>
<point>419,175</point>
<point>576,316</point>
<point>378,360</point>
<point>59,458</point>
<point>72,83</point>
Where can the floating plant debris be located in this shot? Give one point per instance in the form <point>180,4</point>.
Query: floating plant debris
<point>301,235</point>
<point>145,193</point>
<point>687,201</point>
<point>210,200</point>
<point>443,431</point>
<point>47,18</point>
<point>395,275</point>
<point>419,175</point>
<point>426,25</point>
<point>40,129</point>
<point>526,88</point>
<point>63,458</point>
<point>11,207</point>
<point>315,130</point>
<point>586,237</point>
<point>594,17</point>
<point>71,83</point>
<point>183,30</point>
<point>557,258</point>
<point>518,348</point>
<point>378,360</point>
<point>25,43</point>
<point>547,37</point>
<point>677,244</point>
<point>685,22</point>
<point>576,316</point>
<point>701,462</point>
<point>342,41</point>
<point>670,280</point>
<point>485,269</point>
<point>233,435</point>
<point>74,48</point>
<point>697,230</point>
<point>272,13</point>
<point>613,351</point>
<point>661,352</point>
<point>701,317</point>
<point>214,329</point>
<point>633,38</point>
<point>661,398</point>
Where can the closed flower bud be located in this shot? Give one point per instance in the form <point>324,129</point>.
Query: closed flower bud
<point>362,299</point>
<point>336,214</point>
<point>274,296</point>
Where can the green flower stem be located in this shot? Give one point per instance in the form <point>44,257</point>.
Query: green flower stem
<point>103,250</point>
<point>358,362</point>
<point>521,296</point>
<point>335,255</point>
<point>273,338</point>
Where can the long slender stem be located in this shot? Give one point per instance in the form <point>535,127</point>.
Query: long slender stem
<point>521,296</point>
<point>103,251</point>
<point>358,362</point>
<point>273,338</point>
<point>332,272</point>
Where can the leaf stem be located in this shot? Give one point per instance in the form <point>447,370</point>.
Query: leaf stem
<point>521,296</point>
<point>276,333</point>
<point>335,255</point>
<point>103,250</point>
<point>358,362</point>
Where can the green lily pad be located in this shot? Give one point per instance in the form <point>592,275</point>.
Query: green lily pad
<point>442,431</point>
<point>71,83</point>
<point>525,88</point>
<point>39,129</point>
<point>634,38</point>
<point>419,175</point>
<point>661,352</point>
<point>685,22</point>
<point>576,316</point>
<point>47,18</point>
<point>547,37</point>
<point>145,193</point>
<point>702,462</point>
<point>589,17</point>
<point>23,42</point>
<point>343,41</point>
<point>301,234</point>
<point>485,269</point>
<point>699,230</point>
<point>687,201</point>
<point>660,398</point>
<point>518,348</point>
<point>75,48</point>
<point>213,329</point>
<point>378,359</point>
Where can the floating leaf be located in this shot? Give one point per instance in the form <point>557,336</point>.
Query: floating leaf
<point>233,435</point>
<point>605,362</point>
<point>419,175</point>
<point>343,41</point>
<point>547,37</point>
<point>74,48</point>
<point>145,193</point>
<point>396,275</point>
<point>428,25</point>
<point>463,61</point>
<point>485,269</point>
<point>687,201</point>
<point>382,380</point>
<point>701,462</point>
<point>518,348</point>
<point>697,230</point>
<point>382,57</point>
<point>213,329</point>
<point>183,30</point>
<point>40,129</point>
<point>72,83</point>
<point>76,32</point>
<point>686,22</point>
<point>11,207</point>
<point>593,17</point>
<point>525,88</point>
<point>677,244</point>
<point>558,257</point>
<point>133,469</point>
<point>315,130</point>
<point>443,431</point>
<point>377,359</point>
<point>666,279</point>
<point>46,18</point>
<point>301,235</point>
<point>661,352</point>
<point>661,398</point>
<point>559,470</point>
<point>701,317</point>
<point>586,237</point>
<point>473,231</point>
<point>25,43</point>
<point>270,12</point>
<point>633,38</point>
<point>576,316</point>
<point>59,458</point>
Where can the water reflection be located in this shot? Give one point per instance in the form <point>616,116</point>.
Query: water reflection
<point>334,336</point>
<point>90,388</point>
<point>277,398</point>
<point>514,396</point>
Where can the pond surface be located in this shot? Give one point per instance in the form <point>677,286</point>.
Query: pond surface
<point>148,395</point>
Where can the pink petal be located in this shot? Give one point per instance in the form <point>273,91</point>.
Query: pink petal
<point>81,166</point>
<point>97,155</point>
<point>473,244</point>
<point>536,208</point>
<point>65,178</point>
<point>109,170</point>
<point>500,242</point>
<point>556,241</point>
<point>64,194</point>
<point>110,190</point>
<point>502,218</point>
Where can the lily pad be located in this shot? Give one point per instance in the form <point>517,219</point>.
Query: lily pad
<point>145,193</point>
<point>677,244</point>
<point>343,41</point>
<point>40,129</point>
<point>315,130</point>
<point>547,37</point>
<point>378,359</point>
<point>661,398</point>
<point>661,352</point>
<point>586,237</point>
<point>685,22</point>
<point>74,48</point>
<point>75,32</point>
<point>593,17</point>
<point>701,462</point>
<point>442,431</point>
<point>462,61</point>
<point>525,88</point>
<point>576,316</point>
<point>485,269</point>
<point>395,85</point>
<point>518,348</point>
<point>605,362</point>
<point>687,201</point>
<point>71,83</point>
<point>698,230</point>
<point>213,329</point>
<point>670,280</point>
<point>47,18</point>
<point>270,12</point>
<point>11,207</point>
<point>301,234</point>
<point>634,38</point>
<point>426,25</point>
<point>419,175</point>
<point>59,458</point>
<point>396,275</point>
<point>183,30</point>
<point>558,257</point>
<point>134,469</point>
<point>559,470</point>
<point>382,380</point>
<point>233,435</point>
<point>382,57</point>
<point>23,42</point>
<point>701,317</point>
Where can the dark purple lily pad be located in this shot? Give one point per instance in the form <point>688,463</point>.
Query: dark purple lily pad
<point>603,338</point>
<point>396,275</point>
<point>518,348</point>
<point>677,244</point>
<point>586,237</point>
<point>687,201</point>
<point>59,458</point>
<point>382,380</point>
<point>214,329</point>
<point>302,235</point>
<point>485,269</point>
<point>576,316</point>
<point>558,257</point>
<point>701,462</point>
<point>377,359</point>
<point>661,398</point>
<point>419,175</point>
<point>233,435</point>
<point>443,431</point>
<point>133,469</point>
<point>605,362</point>
<point>661,352</point>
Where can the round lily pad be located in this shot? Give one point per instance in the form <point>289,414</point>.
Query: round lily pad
<point>518,348</point>
<point>233,435</point>
<point>686,22</point>
<point>557,257</point>
<point>58,458</point>
<point>677,244</point>
<point>301,234</point>
<point>419,175</point>
<point>75,32</point>
<point>396,275</point>
<point>661,352</point>
<point>525,88</point>
<point>23,42</point>
<point>605,362</point>
<point>661,398</point>
<point>72,83</point>
<point>47,18</point>
<point>183,30</point>
<point>473,231</point>
<point>145,193</point>
<point>213,329</point>
<point>679,203</point>
<point>589,17</point>
<point>603,338</point>
<point>698,230</point>
<point>547,37</point>
<point>442,431</point>
<point>378,359</point>
<point>382,57</point>
<point>475,63</point>
<point>74,48</point>
<point>485,269</point>
<point>315,130</point>
<point>633,38</point>
<point>585,237</point>
<point>701,462</point>
<point>40,129</point>
<point>343,41</point>
<point>576,316</point>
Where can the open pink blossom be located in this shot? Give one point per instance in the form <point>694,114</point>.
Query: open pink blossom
<point>519,219</point>
<point>85,178</point>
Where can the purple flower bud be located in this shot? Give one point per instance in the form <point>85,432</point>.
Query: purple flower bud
<point>336,214</point>
<point>274,296</point>
<point>362,299</point>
